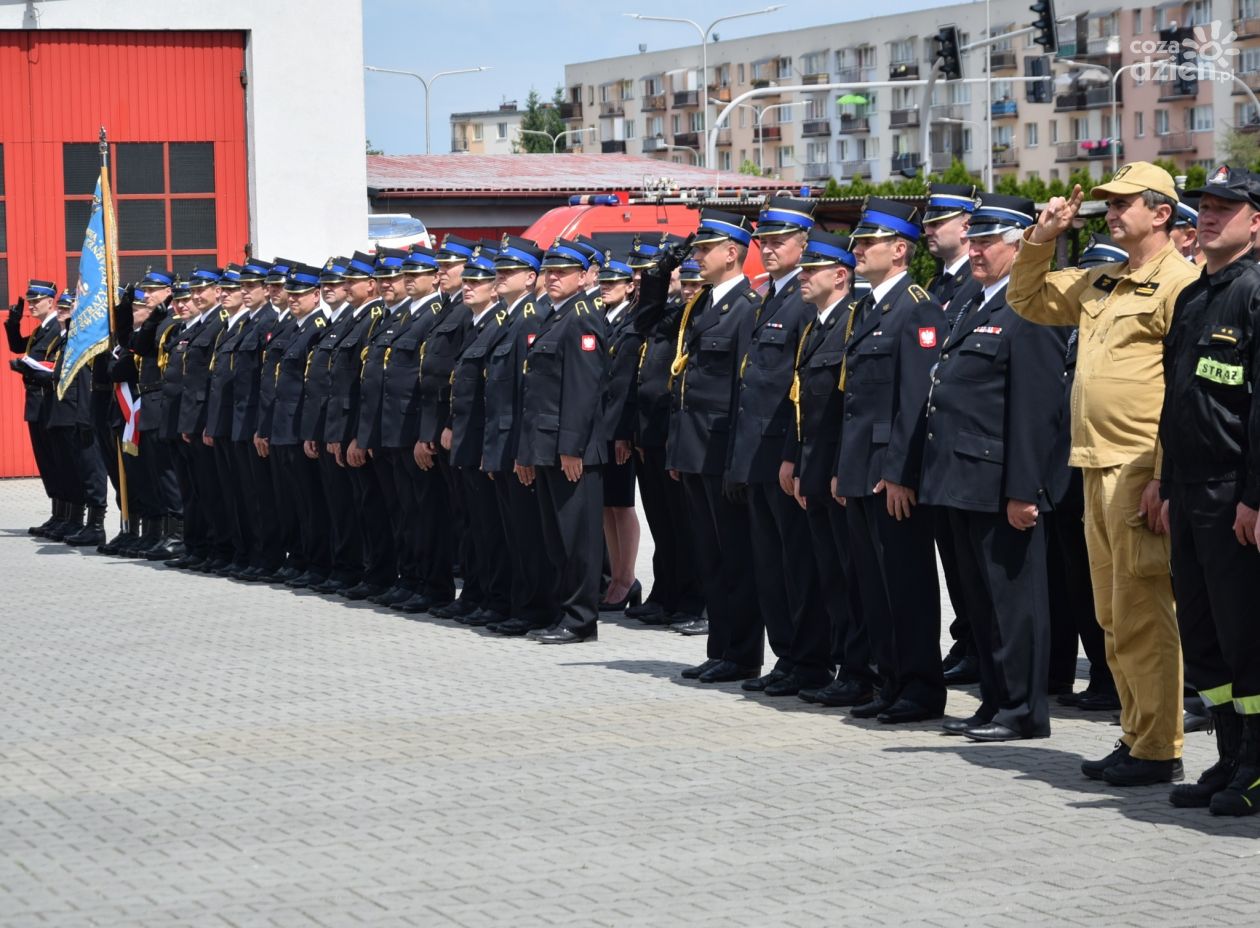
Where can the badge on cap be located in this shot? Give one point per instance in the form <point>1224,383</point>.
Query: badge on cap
<point>1221,176</point>
<point>927,337</point>
<point>504,241</point>
<point>588,342</point>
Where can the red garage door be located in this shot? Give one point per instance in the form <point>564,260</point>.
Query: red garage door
<point>173,104</point>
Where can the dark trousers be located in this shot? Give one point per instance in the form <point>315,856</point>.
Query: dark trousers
<point>849,646</point>
<point>380,565</point>
<point>809,654</point>
<point>159,468</point>
<point>397,488</point>
<point>102,407</point>
<point>489,543</point>
<point>1072,613</point>
<point>457,538</point>
<point>725,565</point>
<point>345,531</point>
<point>302,495</point>
<point>573,527</point>
<point>960,628</point>
<point>896,569</point>
<point>44,462</point>
<point>288,521</point>
<point>199,536</point>
<point>1005,593</point>
<point>63,453</point>
<point>779,606</point>
<point>533,580</point>
<point>1217,582</point>
<point>261,511</point>
<point>675,584</point>
<point>212,512</point>
<point>426,536</point>
<point>141,496</point>
<point>183,479</point>
<point>234,514</point>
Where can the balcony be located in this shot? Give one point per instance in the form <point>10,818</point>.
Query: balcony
<point>613,147</point>
<point>903,71</point>
<point>948,111</point>
<point>812,128</point>
<point>687,139</point>
<point>1178,90</point>
<point>1099,45</point>
<point>1086,99</point>
<point>684,98</point>
<point>862,168</point>
<point>1087,150</point>
<point>942,161</point>
<point>459,143</point>
<point>1247,28</point>
<point>1003,61</point>
<point>854,123</point>
<point>1250,78</point>
<point>653,103</point>
<point>900,119</point>
<point>1177,142</point>
<point>720,93</point>
<point>907,161</point>
<point>816,170</point>
<point>818,77</point>
<point>724,136</point>
<point>572,110</point>
<point>653,144</point>
<point>613,108</point>
<point>768,133</point>
<point>1004,156</point>
<point>1004,109</point>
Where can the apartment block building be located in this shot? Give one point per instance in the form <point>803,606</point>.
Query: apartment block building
<point>1017,111</point>
<point>487,132</point>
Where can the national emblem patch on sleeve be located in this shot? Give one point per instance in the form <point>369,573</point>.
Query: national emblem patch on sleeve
<point>588,342</point>
<point>927,337</point>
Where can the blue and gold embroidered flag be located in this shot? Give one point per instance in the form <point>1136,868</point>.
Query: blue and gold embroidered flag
<point>89,331</point>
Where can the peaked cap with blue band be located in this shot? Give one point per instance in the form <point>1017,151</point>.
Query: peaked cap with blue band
<point>1101,249</point>
<point>945,201</point>
<point>279,270</point>
<point>389,262</point>
<point>360,266</point>
<point>255,270</point>
<point>592,248</point>
<point>564,253</point>
<point>716,225</point>
<point>204,277</point>
<point>613,269</point>
<point>517,252</point>
<point>179,289</point>
<point>302,279</point>
<point>455,249</point>
<point>66,299</point>
<point>882,218</point>
<point>998,213</point>
<point>155,279</point>
<point>825,249</point>
<point>689,270</point>
<point>334,270</point>
<point>480,265</point>
<point>783,214</point>
<point>38,289</point>
<point>231,279</point>
<point>642,254</point>
<point>420,260</point>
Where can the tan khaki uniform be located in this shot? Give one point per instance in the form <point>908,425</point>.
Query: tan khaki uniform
<point>1123,317</point>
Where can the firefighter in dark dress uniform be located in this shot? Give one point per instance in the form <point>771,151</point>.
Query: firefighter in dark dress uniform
<point>895,341</point>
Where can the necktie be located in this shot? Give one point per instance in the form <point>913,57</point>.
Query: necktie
<point>769,293</point>
<point>973,306</point>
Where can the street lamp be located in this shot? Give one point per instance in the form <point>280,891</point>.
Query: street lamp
<point>425,82</point>
<point>555,139</point>
<point>758,113</point>
<point>704,42</point>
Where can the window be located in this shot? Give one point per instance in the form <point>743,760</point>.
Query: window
<point>1245,114</point>
<point>960,93</point>
<point>629,128</point>
<point>966,138</point>
<point>816,153</point>
<point>724,161</point>
<point>1109,131</point>
<point>1080,128</point>
<point>783,68</point>
<point>1248,9</point>
<point>478,131</point>
<point>1054,132</point>
<point>1054,174</point>
<point>722,76</point>
<point>4,235</point>
<point>653,85</point>
<point>786,156</point>
<point>164,198</point>
<point>1139,124</point>
<point>1137,22</point>
<point>627,90</point>
<point>1199,118</point>
<point>675,123</point>
<point>902,52</point>
<point>1161,122</point>
<point>866,56</point>
<point>1199,14</point>
<point>785,114</point>
<point>501,129</point>
<point>842,60</point>
<point>1030,134</point>
<point>739,70</point>
<point>842,149</point>
<point>814,63</point>
<point>1249,61</point>
<point>656,126</point>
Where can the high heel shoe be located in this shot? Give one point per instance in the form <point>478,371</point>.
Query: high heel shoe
<point>634,597</point>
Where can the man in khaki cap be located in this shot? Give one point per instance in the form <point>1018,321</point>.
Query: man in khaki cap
<point>1124,310</point>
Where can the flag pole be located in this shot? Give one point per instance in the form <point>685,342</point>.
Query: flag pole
<point>111,273</point>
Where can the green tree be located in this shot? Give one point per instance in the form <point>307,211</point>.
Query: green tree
<point>750,167</point>
<point>370,149</point>
<point>1239,149</point>
<point>542,117</point>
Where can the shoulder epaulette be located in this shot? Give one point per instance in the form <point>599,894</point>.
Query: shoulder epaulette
<point>377,312</point>
<point>918,293</point>
<point>320,322</point>
<point>581,308</point>
<point>752,296</point>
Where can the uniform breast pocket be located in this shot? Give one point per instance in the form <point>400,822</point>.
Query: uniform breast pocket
<point>769,347</point>
<point>1220,361</point>
<point>979,447</point>
<point>979,356</point>
<point>715,350</point>
<point>499,367</point>
<point>823,371</point>
<point>470,365</point>
<point>543,355</point>
<point>1135,340</point>
<point>873,361</point>
<point>406,344</point>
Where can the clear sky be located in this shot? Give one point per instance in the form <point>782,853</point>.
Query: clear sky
<point>528,46</point>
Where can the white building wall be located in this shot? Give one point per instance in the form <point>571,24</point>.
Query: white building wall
<point>305,199</point>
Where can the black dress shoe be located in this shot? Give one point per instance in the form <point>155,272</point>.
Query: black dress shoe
<point>728,672</point>
<point>649,613</point>
<point>869,710</point>
<point>393,596</point>
<point>993,731</point>
<point>361,591</point>
<point>416,603</point>
<point>761,682</point>
<point>692,628</point>
<point>839,692</point>
<point>483,618</point>
<point>964,672</point>
<point>511,628</point>
<point>212,566</point>
<point>453,610</point>
<point>1135,771</point>
<point>958,726</point>
<point>285,574</point>
<point>559,634</point>
<point>693,673</point>
<point>1098,702</point>
<point>903,711</point>
<point>306,581</point>
<point>790,685</point>
<point>682,618</point>
<point>1094,768</point>
<point>1059,689</point>
<point>268,575</point>
<point>329,587</point>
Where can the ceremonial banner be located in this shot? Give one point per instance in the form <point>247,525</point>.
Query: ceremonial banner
<point>94,294</point>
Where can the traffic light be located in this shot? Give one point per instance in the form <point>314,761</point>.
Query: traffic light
<point>1046,34</point>
<point>945,47</point>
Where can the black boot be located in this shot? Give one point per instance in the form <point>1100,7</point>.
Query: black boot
<point>41,531</point>
<point>151,530</point>
<point>126,535</point>
<point>132,545</point>
<point>93,531</point>
<point>71,522</point>
<point>171,545</point>
<point>1229,730</point>
<point>1242,795</point>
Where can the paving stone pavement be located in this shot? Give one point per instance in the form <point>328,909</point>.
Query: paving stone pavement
<point>179,750</point>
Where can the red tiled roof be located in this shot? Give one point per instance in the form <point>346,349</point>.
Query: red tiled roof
<point>542,175</point>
